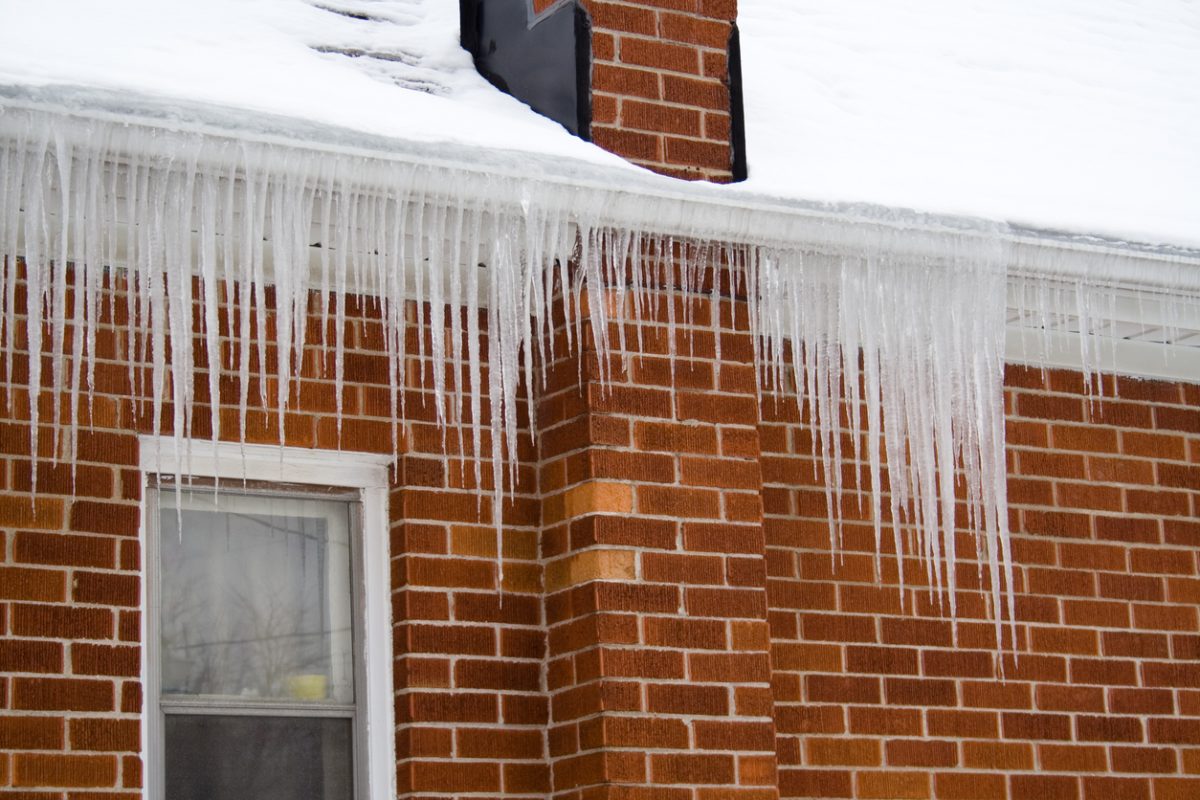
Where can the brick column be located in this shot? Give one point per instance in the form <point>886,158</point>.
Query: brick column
<point>660,84</point>
<point>470,707</point>
<point>658,667</point>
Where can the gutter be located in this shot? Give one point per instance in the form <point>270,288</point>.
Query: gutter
<point>620,195</point>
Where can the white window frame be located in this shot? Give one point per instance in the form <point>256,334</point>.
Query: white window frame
<point>365,473</point>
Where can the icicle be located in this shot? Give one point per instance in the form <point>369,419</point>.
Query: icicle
<point>908,346</point>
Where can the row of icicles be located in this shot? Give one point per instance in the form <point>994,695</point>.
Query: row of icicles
<point>917,343</point>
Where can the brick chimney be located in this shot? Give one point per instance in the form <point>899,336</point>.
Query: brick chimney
<point>655,81</point>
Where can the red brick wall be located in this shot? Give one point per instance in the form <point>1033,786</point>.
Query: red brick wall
<point>658,670</point>
<point>70,572</point>
<point>1104,701</point>
<point>673,625</point>
<point>660,93</point>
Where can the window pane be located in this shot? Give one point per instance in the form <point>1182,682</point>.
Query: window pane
<point>256,599</point>
<point>257,758</point>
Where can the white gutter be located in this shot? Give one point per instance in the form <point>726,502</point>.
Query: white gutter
<point>618,196</point>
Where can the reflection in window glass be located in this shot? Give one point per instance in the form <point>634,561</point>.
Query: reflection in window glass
<point>255,598</point>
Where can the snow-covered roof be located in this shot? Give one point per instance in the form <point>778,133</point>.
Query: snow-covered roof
<point>1061,114</point>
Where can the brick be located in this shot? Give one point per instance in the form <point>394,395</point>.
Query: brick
<point>885,721</point>
<point>989,694</point>
<point>1045,787</point>
<point>725,603</point>
<point>844,752</point>
<point>621,531</point>
<point>446,573</point>
<point>882,660</point>
<point>675,437</point>
<point>1098,788</point>
<point>630,466</point>
<point>42,513</point>
<point>678,502</point>
<point>839,689</point>
<point>96,659</point>
<point>688,569</point>
<point>970,786</point>
<point>443,707</point>
<point>105,735</point>
<point>1143,759</point>
<point>108,518</point>
<point>456,776</point>
<point>1176,788</point>
<point>1072,758</point>
<point>31,733</point>
<point>659,118</point>
<point>720,473</point>
<point>678,768</point>
<point>920,692</point>
<point>683,699</point>
<point>21,583</point>
<point>728,668</point>
<point>485,743</point>
<point>838,628</point>
<point>960,663</point>
<point>684,633</point>
<point>806,719</point>
<point>1185,420</point>
<point>1134,645</point>
<point>1107,729</point>
<point>910,753</point>
<point>738,736</point>
<point>964,724</point>
<point>512,676</point>
<point>23,655</point>
<point>637,597</point>
<point>998,756</point>
<point>658,55</point>
<point>102,588</point>
<point>1140,701</point>
<point>1070,698</point>
<point>645,732</point>
<point>623,18</point>
<point>722,538</point>
<point>916,632</point>
<point>62,694</point>
<point>73,771</point>
<point>1173,731</point>
<point>625,81</point>
<point>588,566</point>
<point>696,92</point>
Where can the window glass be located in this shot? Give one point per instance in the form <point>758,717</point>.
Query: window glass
<point>256,656</point>
<point>255,598</point>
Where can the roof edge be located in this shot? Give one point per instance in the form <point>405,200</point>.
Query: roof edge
<point>688,209</point>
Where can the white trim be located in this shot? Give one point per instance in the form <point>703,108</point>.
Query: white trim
<point>366,472</point>
<point>619,195</point>
<point>1144,360</point>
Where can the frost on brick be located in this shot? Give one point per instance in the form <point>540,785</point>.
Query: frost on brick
<point>906,325</point>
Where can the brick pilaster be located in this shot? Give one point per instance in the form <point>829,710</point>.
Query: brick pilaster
<point>655,577</point>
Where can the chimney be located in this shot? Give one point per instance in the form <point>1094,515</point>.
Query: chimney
<point>655,81</point>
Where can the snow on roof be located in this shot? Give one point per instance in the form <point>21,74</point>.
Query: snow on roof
<point>1075,114</point>
<point>1064,114</point>
<point>389,68</point>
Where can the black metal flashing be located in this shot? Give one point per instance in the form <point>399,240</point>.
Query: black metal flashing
<point>544,61</point>
<point>737,111</point>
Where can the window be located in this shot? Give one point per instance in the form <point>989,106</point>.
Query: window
<point>264,615</point>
